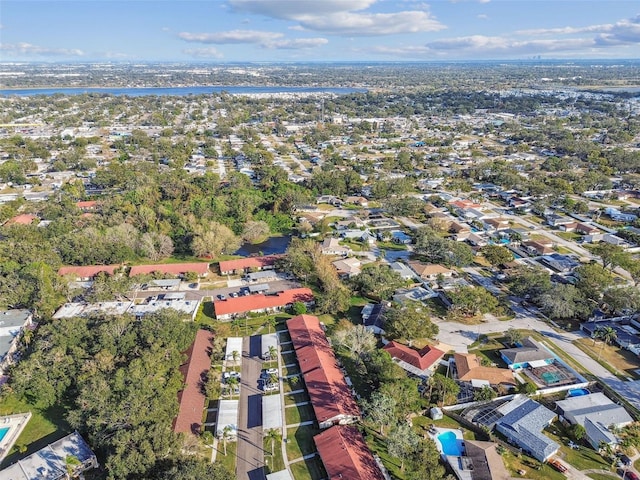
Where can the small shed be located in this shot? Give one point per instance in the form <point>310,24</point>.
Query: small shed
<point>261,288</point>
<point>435,413</point>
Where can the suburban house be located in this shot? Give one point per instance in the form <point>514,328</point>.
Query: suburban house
<point>348,267</point>
<point>373,318</point>
<point>12,324</point>
<point>558,220</point>
<point>191,398</point>
<point>22,219</point>
<point>88,272</point>
<point>415,294</point>
<point>430,271</point>
<point>261,303</point>
<point>345,455</point>
<point>363,202</point>
<point>536,248</point>
<point>597,414</point>
<point>618,216</point>
<point>178,269</point>
<point>331,246</point>
<point>50,462</point>
<point>244,265</point>
<point>87,205</point>
<point>456,227</point>
<point>530,354</point>
<point>480,462</point>
<point>420,363</point>
<point>401,269</point>
<point>329,392</point>
<point>522,424</point>
<point>470,369</point>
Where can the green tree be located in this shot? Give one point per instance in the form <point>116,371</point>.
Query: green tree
<point>486,393</point>
<point>299,308</point>
<point>513,336</point>
<point>593,280</point>
<point>402,443</point>
<point>529,281</point>
<point>496,254</point>
<point>356,339</point>
<point>611,255</point>
<point>578,432</point>
<point>273,434</point>
<point>377,281</point>
<point>190,469</point>
<point>607,335</point>
<point>445,389</point>
<point>565,301</point>
<point>381,409</point>
<point>410,321</point>
<point>470,300</point>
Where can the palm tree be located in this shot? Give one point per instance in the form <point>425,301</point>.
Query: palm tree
<point>233,382</point>
<point>607,335</point>
<point>273,434</point>
<point>235,355</point>
<point>226,435</point>
<point>273,352</point>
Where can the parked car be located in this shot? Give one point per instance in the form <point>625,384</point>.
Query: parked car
<point>272,371</point>
<point>558,466</point>
<point>222,297</point>
<point>632,476</point>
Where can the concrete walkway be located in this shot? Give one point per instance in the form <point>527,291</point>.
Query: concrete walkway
<point>300,424</point>
<point>300,404</point>
<point>306,457</point>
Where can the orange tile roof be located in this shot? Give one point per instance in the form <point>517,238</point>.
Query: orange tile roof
<point>469,368</point>
<point>422,359</point>
<point>171,268</point>
<point>249,262</point>
<point>261,301</point>
<point>191,398</point>
<point>23,219</point>
<point>88,270</point>
<point>329,393</point>
<point>345,454</point>
<point>87,204</point>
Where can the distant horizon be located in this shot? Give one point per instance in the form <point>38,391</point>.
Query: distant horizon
<point>318,31</point>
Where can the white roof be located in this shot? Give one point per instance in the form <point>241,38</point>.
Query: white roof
<point>227,416</point>
<point>233,343</point>
<point>271,412</point>
<point>269,340</point>
<point>281,475</point>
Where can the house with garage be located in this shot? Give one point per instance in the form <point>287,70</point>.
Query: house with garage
<point>248,264</point>
<point>231,308</point>
<point>597,414</point>
<point>529,354</point>
<point>331,246</point>
<point>469,368</point>
<point>420,363</point>
<point>522,424</point>
<point>373,318</point>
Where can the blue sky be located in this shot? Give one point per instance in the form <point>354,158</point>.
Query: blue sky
<point>317,30</point>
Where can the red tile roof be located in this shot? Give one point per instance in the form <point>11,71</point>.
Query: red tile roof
<point>249,262</point>
<point>422,359</point>
<point>345,454</point>
<point>261,301</point>
<point>88,271</point>
<point>171,268</point>
<point>87,205</point>
<point>329,393</point>
<point>191,398</point>
<point>23,219</point>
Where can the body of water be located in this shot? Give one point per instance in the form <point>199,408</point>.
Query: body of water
<point>451,444</point>
<point>271,246</point>
<point>178,91</point>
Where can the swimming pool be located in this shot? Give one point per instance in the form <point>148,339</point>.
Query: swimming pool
<point>3,432</point>
<point>578,392</point>
<point>451,444</point>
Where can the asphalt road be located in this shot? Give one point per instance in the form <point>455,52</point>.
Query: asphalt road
<point>250,452</point>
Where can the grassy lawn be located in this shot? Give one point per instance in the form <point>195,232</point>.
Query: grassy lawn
<point>289,358</point>
<point>311,469</point>
<point>205,315</point>
<point>378,446</point>
<point>301,413</point>
<point>300,441</point>
<point>44,427</point>
<point>421,424</point>
<point>296,398</point>
<point>273,463</point>
<point>602,476</point>
<point>229,460</point>
<point>532,468</point>
<point>611,357</point>
<point>291,371</point>
<point>583,458</point>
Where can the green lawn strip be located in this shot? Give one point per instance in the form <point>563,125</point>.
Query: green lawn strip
<point>532,468</point>
<point>229,460</point>
<point>421,425</point>
<point>296,398</point>
<point>300,441</point>
<point>273,463</point>
<point>582,458</point>
<point>636,464</point>
<point>44,427</point>
<point>602,476</point>
<point>301,413</point>
<point>289,358</point>
<point>589,350</point>
<point>311,469</point>
<point>290,371</point>
<point>378,446</point>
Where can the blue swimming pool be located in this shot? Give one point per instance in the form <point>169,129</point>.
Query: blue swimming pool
<point>578,392</point>
<point>3,432</point>
<point>451,445</point>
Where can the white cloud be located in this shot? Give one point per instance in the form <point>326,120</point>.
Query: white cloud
<point>297,43</point>
<point>231,36</point>
<point>271,40</point>
<point>482,16</point>
<point>339,17</point>
<point>206,52</point>
<point>27,49</point>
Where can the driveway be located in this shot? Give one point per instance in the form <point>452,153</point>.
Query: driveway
<point>250,452</point>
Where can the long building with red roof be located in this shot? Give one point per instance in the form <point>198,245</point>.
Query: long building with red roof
<point>345,455</point>
<point>260,303</point>
<point>87,272</point>
<point>241,265</point>
<point>329,393</point>
<point>191,398</point>
<point>201,268</point>
<point>418,362</point>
